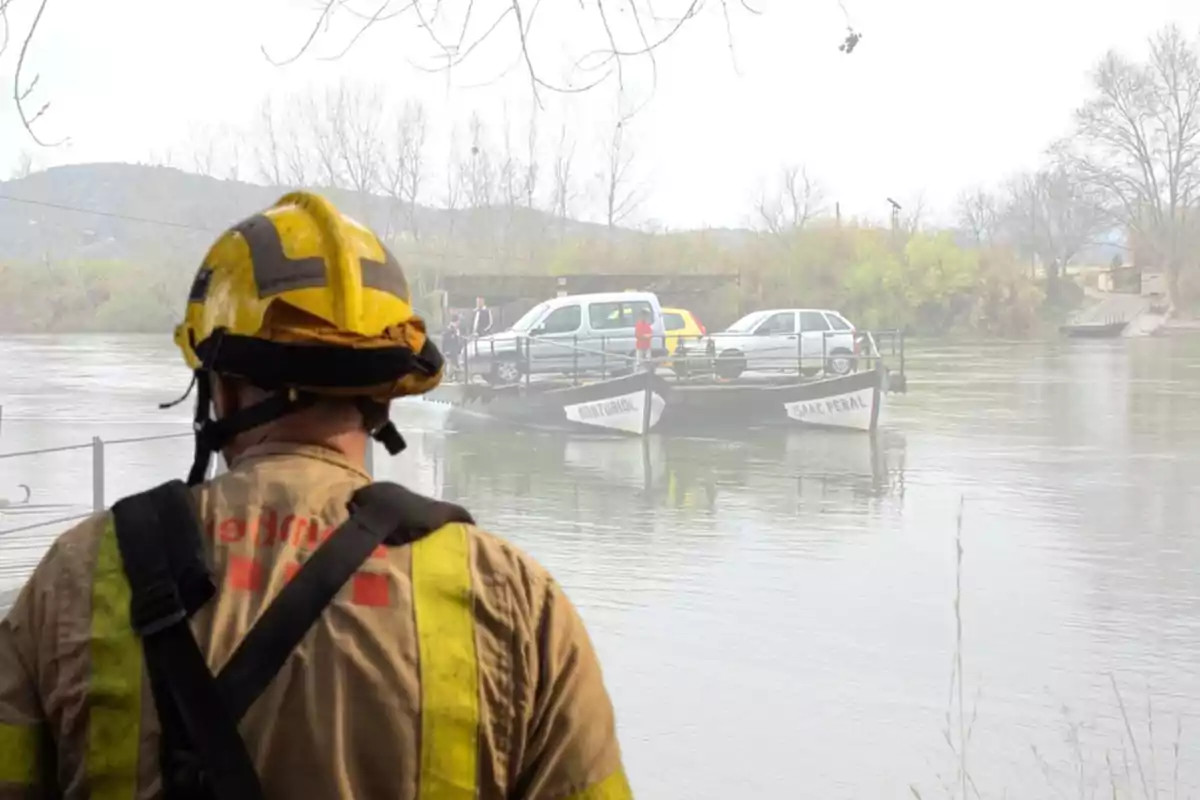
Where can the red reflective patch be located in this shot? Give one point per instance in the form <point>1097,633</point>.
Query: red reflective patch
<point>371,590</point>
<point>244,574</point>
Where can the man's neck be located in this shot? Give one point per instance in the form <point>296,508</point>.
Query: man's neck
<point>350,445</point>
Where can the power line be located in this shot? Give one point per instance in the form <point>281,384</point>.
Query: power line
<point>411,252</point>
<point>110,214</point>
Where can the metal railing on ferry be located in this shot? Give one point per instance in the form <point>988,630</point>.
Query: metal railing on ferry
<point>99,448</point>
<point>684,358</point>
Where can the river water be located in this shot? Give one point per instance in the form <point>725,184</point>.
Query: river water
<point>775,614</point>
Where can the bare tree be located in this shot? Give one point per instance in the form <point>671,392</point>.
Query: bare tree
<point>529,184</point>
<point>1052,215</point>
<point>912,216</point>
<point>403,171</point>
<point>622,194</point>
<point>268,153</point>
<point>794,200</point>
<point>456,29</point>
<point>356,122</point>
<point>1136,144</point>
<point>204,151</point>
<point>452,197</point>
<point>510,172</point>
<point>24,167</point>
<point>340,142</point>
<point>215,151</point>
<point>478,171</point>
<point>517,176</point>
<point>322,145</point>
<point>630,30</point>
<point>563,188</point>
<point>166,157</point>
<point>979,214</point>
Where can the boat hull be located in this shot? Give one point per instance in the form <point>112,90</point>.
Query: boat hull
<point>1108,330</point>
<point>631,404</point>
<point>850,402</point>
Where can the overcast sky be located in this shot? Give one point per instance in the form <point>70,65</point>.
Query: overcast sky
<point>939,95</point>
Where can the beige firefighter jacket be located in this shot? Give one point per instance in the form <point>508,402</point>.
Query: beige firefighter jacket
<point>451,668</point>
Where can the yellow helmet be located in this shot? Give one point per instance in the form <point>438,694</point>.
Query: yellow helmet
<point>302,296</point>
<point>303,301</point>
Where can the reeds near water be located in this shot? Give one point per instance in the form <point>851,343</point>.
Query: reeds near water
<point>1126,773</point>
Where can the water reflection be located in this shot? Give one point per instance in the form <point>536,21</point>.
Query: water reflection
<point>775,613</point>
<point>779,473</point>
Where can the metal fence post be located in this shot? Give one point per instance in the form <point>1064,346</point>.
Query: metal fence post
<point>97,473</point>
<point>528,360</point>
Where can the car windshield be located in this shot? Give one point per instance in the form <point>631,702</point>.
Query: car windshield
<point>744,324</point>
<point>529,318</point>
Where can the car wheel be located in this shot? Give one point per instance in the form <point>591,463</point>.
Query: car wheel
<point>841,362</point>
<point>503,372</point>
<point>730,365</point>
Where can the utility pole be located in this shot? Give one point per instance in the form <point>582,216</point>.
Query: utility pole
<point>895,220</point>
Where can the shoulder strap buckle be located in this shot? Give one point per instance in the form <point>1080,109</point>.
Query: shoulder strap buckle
<point>156,607</point>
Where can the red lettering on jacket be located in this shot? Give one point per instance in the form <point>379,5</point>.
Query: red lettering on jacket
<point>232,530</point>
<point>264,527</point>
<point>285,529</point>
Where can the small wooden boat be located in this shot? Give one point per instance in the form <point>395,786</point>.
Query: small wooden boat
<point>1094,330</point>
<point>631,404</point>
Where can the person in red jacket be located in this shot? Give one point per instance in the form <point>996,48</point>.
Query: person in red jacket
<point>644,335</point>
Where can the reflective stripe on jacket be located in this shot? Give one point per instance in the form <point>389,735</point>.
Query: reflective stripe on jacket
<point>451,668</point>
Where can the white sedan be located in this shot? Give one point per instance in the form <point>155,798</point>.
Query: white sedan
<point>807,340</point>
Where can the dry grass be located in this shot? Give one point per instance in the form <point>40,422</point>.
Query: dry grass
<point>1122,773</point>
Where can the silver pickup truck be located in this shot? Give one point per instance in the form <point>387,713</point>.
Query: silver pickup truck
<point>584,332</point>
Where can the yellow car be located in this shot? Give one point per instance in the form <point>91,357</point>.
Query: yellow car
<point>681,324</point>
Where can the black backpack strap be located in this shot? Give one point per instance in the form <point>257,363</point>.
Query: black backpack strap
<point>379,513</point>
<point>184,687</point>
<point>159,536</point>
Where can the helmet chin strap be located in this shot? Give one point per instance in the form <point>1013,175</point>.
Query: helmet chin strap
<point>380,427</point>
<point>212,435</point>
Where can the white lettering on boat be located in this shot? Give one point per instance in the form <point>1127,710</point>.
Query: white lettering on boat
<point>606,408</point>
<point>622,413</point>
<point>851,410</point>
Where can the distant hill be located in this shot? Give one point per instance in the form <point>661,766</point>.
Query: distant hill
<point>154,213</point>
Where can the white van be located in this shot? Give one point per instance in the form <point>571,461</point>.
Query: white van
<point>582,331</point>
